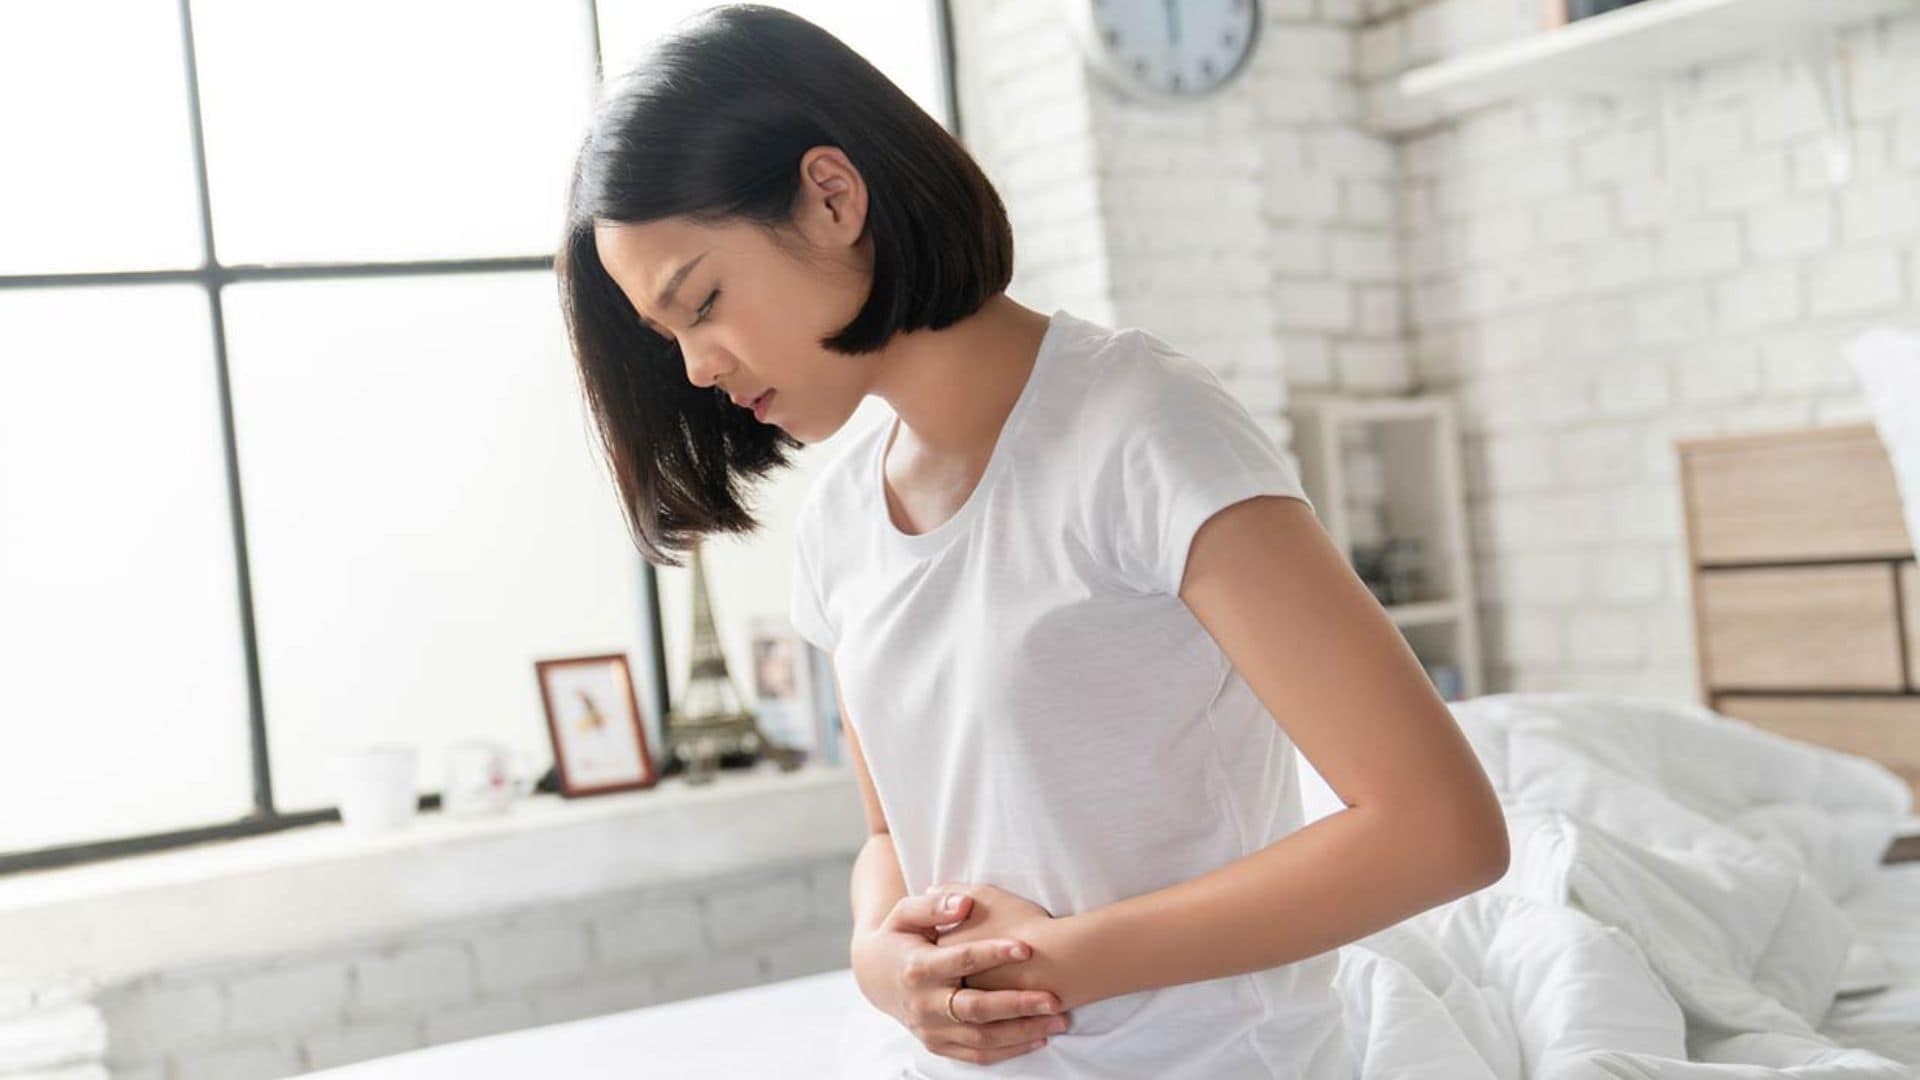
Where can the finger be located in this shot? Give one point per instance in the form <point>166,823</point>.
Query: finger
<point>928,910</point>
<point>978,1006</point>
<point>949,962</point>
<point>962,1052</point>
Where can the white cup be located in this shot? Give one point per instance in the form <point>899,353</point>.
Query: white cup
<point>376,785</point>
<point>479,779</point>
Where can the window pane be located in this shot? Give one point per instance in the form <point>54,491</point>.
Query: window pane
<point>357,130</point>
<point>902,38</point>
<point>98,151</point>
<point>123,694</point>
<point>427,515</point>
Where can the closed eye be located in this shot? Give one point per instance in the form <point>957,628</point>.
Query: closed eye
<point>705,308</point>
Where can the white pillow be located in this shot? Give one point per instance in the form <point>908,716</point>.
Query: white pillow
<point>1887,362</point>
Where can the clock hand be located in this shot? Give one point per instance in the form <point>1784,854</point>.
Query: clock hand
<point>1173,21</point>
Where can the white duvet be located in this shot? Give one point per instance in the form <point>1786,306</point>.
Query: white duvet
<point>1670,910</point>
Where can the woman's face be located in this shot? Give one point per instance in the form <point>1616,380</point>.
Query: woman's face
<point>749,314</point>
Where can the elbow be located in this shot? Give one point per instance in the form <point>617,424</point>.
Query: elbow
<point>1484,851</point>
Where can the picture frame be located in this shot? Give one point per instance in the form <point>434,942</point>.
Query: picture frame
<point>783,685</point>
<point>595,725</point>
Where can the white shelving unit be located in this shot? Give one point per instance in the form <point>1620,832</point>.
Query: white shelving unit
<point>1390,467</point>
<point>1623,51</point>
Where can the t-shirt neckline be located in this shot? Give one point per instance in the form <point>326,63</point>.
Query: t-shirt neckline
<point>920,545</point>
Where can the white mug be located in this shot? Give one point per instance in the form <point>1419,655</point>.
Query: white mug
<point>479,779</point>
<point>376,786</point>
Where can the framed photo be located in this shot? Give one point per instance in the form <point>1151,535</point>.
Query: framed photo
<point>783,681</point>
<point>593,719</point>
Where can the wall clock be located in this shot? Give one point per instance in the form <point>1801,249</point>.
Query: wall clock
<point>1166,51</point>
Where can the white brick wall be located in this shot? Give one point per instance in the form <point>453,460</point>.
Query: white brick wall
<point>1590,288</point>
<point>258,1019</point>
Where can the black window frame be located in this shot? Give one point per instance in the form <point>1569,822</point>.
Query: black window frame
<point>212,277</point>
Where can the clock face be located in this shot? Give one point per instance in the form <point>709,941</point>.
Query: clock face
<point>1170,48</point>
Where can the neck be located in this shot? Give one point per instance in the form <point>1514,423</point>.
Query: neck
<point>953,387</point>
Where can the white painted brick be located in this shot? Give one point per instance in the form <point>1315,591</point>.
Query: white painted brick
<point>1626,576</point>
<point>1290,9</point>
<point>1767,296</point>
<point>1630,388</point>
<point>1699,247</point>
<point>1540,577</point>
<point>1346,152</point>
<point>600,997</point>
<point>1373,366</point>
<point>1708,135</point>
<point>1344,12</point>
<point>1595,455</point>
<point>1364,256</point>
<point>1518,462</point>
<point>1569,118</point>
<point>1297,49</point>
<point>1380,49</point>
<point>1724,371</point>
<point>1791,228</point>
<point>362,1042</point>
<point>145,1019</point>
<point>1668,313</point>
<point>1380,314</point>
<point>1314,305</point>
<point>1867,155</point>
<point>1366,202</point>
<point>757,908</point>
<point>1495,236</point>
<point>1618,155</point>
<point>412,976</point>
<point>649,930</point>
<point>1906,141</point>
<point>709,975</point>
<point>806,954</point>
<point>514,958</point>
<point>1807,362</point>
<point>470,1021</point>
<point>260,1060</point>
<point>1744,183</point>
<point>1607,636</point>
<point>1308,359</point>
<point>1297,99</point>
<point>1789,109</point>
<point>1614,263</point>
<point>1886,209</point>
<point>1303,196</point>
<point>1642,512</point>
<point>300,996</point>
<point>1854,282</point>
<point>1297,249</point>
<point>1648,203</point>
<point>1574,218</point>
<point>1529,637</point>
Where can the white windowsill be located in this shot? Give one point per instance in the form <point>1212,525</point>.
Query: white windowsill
<point>322,884</point>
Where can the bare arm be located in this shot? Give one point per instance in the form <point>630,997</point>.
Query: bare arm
<point>1422,824</point>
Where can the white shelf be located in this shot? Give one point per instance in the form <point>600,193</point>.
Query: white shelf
<point>1623,51</point>
<point>1423,613</point>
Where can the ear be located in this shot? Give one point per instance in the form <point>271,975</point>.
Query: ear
<point>832,197</point>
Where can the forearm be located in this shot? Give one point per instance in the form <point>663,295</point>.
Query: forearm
<point>877,884</point>
<point>1332,882</point>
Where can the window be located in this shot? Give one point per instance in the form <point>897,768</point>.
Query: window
<point>292,453</point>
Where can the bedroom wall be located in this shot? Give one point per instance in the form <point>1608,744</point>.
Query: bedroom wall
<point>1584,300</point>
<point>258,1018</point>
<point>1589,291</point>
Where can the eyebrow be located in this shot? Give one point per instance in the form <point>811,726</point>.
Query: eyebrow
<point>680,275</point>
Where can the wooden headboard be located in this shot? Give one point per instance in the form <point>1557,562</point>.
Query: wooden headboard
<point>1806,597</point>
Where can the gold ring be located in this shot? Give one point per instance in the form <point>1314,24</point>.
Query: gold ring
<point>950,996</point>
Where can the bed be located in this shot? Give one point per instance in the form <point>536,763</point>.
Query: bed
<point>1694,894</point>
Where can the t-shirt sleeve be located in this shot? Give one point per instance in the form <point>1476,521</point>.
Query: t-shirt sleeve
<point>1189,449</point>
<point>804,609</point>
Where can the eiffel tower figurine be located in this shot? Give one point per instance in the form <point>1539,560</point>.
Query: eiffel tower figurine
<point>711,728</point>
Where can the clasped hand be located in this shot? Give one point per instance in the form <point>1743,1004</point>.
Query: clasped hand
<point>993,962</point>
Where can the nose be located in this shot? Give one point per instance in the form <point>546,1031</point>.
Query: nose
<point>704,365</point>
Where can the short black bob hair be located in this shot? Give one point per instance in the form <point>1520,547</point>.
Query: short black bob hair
<point>711,124</point>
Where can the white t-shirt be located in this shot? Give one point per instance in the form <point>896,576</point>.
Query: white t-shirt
<point>1041,712</point>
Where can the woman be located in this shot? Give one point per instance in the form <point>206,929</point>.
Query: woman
<point>1063,694</point>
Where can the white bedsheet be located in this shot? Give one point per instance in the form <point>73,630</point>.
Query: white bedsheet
<point>1687,895</point>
